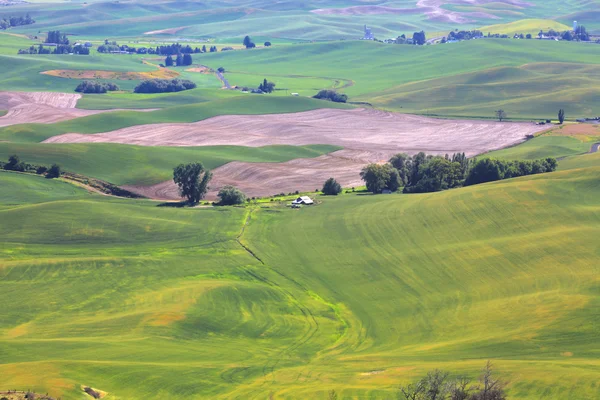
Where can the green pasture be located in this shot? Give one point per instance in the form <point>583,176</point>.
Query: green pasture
<point>147,165</point>
<point>276,20</point>
<point>544,146</point>
<point>359,293</point>
<point>529,79</point>
<point>525,26</point>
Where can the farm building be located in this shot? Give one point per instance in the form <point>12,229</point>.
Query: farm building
<point>303,200</point>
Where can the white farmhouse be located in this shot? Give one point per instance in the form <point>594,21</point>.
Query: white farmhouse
<point>305,200</point>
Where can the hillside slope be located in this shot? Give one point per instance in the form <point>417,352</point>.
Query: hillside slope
<point>357,294</point>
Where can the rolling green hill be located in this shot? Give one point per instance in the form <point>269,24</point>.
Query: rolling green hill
<point>528,78</point>
<point>357,294</point>
<point>308,20</point>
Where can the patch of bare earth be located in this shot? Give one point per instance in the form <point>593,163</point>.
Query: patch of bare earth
<point>159,73</point>
<point>41,107</point>
<point>366,136</point>
<point>431,8</point>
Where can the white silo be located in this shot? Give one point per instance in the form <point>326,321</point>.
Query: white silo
<point>575,26</point>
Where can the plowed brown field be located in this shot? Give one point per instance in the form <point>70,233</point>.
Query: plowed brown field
<point>366,135</point>
<point>41,107</point>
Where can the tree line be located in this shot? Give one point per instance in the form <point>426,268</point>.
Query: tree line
<point>180,60</point>
<point>331,95</point>
<point>424,173</point>
<point>59,49</point>
<point>170,50</point>
<point>96,87</point>
<point>15,164</point>
<point>10,22</point>
<point>164,86</point>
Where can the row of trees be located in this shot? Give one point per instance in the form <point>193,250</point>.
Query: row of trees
<point>60,49</point>
<point>15,164</point>
<point>96,87</point>
<point>331,95</point>
<point>180,60</point>
<point>417,38</point>
<point>10,22</point>
<point>171,50</point>
<point>489,170</point>
<point>424,173</point>
<point>438,385</point>
<point>164,86</point>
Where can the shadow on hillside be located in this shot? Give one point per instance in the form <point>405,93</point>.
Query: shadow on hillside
<point>174,204</point>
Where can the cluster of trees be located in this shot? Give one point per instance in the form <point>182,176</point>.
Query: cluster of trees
<point>180,60</point>
<point>331,95</point>
<point>380,177</point>
<point>438,385</point>
<point>10,22</point>
<point>15,164</point>
<point>248,43</point>
<point>230,196</point>
<point>489,170</point>
<point>417,38</point>
<point>57,38</point>
<point>579,34</point>
<point>96,87</point>
<point>164,85</point>
<point>424,173</point>
<point>266,86</point>
<point>464,35</point>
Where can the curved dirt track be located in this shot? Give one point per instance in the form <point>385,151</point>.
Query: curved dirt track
<point>366,136</point>
<point>41,107</point>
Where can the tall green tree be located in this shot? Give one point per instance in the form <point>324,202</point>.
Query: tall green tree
<point>561,116</point>
<point>500,114</point>
<point>331,187</point>
<point>192,180</point>
<point>169,61</point>
<point>187,59</point>
<point>378,177</point>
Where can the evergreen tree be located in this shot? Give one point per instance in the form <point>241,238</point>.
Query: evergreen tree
<point>179,60</point>
<point>169,61</point>
<point>187,59</point>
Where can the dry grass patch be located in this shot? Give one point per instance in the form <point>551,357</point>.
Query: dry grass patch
<point>160,73</point>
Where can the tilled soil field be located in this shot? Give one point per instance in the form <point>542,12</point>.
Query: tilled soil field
<point>366,135</point>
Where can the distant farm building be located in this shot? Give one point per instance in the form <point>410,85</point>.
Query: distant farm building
<point>303,200</point>
<point>368,34</point>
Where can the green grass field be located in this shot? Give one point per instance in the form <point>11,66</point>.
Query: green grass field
<point>542,147</point>
<point>529,79</point>
<point>140,165</point>
<point>285,20</point>
<point>357,294</point>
